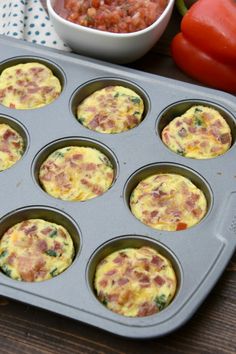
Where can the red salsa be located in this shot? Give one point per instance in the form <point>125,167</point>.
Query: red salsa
<point>117,16</point>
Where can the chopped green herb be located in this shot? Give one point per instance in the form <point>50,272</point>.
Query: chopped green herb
<point>136,112</point>
<point>135,99</point>
<point>65,243</point>
<point>106,161</point>
<point>197,110</point>
<point>81,120</point>
<point>53,234</point>
<point>180,152</point>
<point>3,254</point>
<point>58,154</point>
<point>198,121</point>
<point>160,301</point>
<point>105,302</point>
<point>53,272</point>
<point>6,270</point>
<point>51,253</point>
<point>117,94</point>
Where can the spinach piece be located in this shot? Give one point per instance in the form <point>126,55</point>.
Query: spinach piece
<point>6,270</point>
<point>198,122</point>
<point>136,112</point>
<point>3,254</point>
<point>57,154</point>
<point>106,161</point>
<point>160,301</point>
<point>81,120</point>
<point>116,95</point>
<point>53,234</point>
<point>135,100</point>
<point>51,253</point>
<point>105,302</point>
<point>53,272</point>
<point>180,152</point>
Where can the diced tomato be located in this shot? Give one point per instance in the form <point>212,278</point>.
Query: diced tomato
<point>111,15</point>
<point>181,226</point>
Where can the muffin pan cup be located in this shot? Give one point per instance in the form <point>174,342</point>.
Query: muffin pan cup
<point>105,223</point>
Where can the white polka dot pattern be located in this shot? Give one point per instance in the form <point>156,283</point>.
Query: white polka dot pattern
<point>28,20</point>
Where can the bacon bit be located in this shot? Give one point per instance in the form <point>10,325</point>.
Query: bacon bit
<point>181,226</point>
<point>11,258</point>
<point>31,229</point>
<point>165,137</point>
<point>8,133</point>
<point>12,105</point>
<point>225,138</point>
<point>97,190</point>
<point>158,193</point>
<point>122,281</point>
<point>46,89</point>
<point>27,275</point>
<point>110,123</point>
<point>94,123</point>
<point>77,156</point>
<point>182,132</point>
<point>57,247</point>
<point>42,245</point>
<point>144,278</point>
<point>111,272</point>
<point>47,176</point>
<point>197,212</point>
<point>103,283</point>
<point>33,89</point>
<point>90,166</point>
<point>85,181</point>
<point>192,130</point>
<point>118,260</point>
<point>217,124</point>
<point>147,309</point>
<point>132,120</point>
<point>112,297</point>
<point>16,144</point>
<point>159,280</point>
<point>62,233</point>
<point>158,261</point>
<point>154,213</point>
<point>18,71</point>
<point>47,230</point>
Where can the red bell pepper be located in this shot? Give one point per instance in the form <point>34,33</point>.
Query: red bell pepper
<point>205,48</point>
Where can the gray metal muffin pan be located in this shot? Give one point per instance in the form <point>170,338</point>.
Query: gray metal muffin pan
<point>104,224</point>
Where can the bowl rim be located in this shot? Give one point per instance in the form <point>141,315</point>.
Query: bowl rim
<point>75,26</point>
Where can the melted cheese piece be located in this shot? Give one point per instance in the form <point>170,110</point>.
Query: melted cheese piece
<point>28,86</point>
<point>135,282</point>
<point>35,250</point>
<point>111,110</point>
<point>76,173</point>
<point>200,133</point>
<point>11,146</point>
<point>168,202</point>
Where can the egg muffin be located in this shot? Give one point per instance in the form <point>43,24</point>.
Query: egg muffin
<point>76,173</point>
<point>11,146</point>
<point>28,86</point>
<point>135,282</point>
<point>200,133</point>
<point>111,110</point>
<point>35,250</point>
<point>168,202</point>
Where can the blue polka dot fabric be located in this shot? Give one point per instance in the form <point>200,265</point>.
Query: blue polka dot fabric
<point>28,20</point>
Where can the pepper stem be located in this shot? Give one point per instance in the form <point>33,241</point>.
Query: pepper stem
<point>181,7</point>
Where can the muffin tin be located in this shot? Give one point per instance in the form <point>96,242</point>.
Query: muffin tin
<point>105,224</point>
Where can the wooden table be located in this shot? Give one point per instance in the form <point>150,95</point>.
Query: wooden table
<point>26,329</point>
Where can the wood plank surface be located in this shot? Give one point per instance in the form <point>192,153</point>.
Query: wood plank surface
<point>26,329</point>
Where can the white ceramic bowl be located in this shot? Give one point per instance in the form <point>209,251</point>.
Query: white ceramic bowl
<point>115,47</point>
